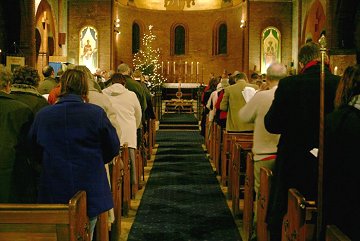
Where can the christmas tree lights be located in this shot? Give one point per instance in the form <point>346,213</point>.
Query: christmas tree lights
<point>147,61</point>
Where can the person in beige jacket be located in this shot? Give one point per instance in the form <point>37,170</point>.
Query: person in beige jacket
<point>234,100</point>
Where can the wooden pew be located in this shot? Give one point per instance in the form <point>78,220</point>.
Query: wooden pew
<point>116,168</point>
<point>248,212</point>
<point>262,204</point>
<point>117,171</point>
<point>333,233</point>
<point>226,154</point>
<point>300,219</point>
<point>217,147</point>
<point>151,137</point>
<point>207,126</point>
<point>236,177</point>
<point>50,222</point>
<point>126,187</point>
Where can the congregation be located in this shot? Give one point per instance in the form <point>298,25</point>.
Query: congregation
<point>283,116</point>
<point>49,127</point>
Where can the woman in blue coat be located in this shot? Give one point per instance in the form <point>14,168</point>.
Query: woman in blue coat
<point>73,140</point>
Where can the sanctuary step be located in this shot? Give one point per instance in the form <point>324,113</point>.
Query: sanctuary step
<point>183,121</point>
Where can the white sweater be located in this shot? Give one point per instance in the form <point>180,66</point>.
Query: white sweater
<point>254,112</point>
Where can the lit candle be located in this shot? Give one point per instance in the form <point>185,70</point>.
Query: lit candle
<point>162,67</point>
<point>174,68</point>
<point>335,70</point>
<point>168,68</point>
<point>192,68</point>
<point>197,68</point>
<point>185,68</point>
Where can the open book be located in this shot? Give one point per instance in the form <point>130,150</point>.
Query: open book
<point>248,93</point>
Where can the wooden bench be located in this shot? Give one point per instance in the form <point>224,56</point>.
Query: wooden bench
<point>116,169</point>
<point>117,174</point>
<point>248,212</point>
<point>50,222</point>
<point>333,233</point>
<point>262,204</point>
<point>226,154</point>
<point>300,220</point>
<point>217,148</point>
<point>126,187</point>
<point>236,178</point>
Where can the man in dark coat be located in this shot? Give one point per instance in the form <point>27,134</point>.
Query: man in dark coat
<point>294,114</point>
<point>16,117</point>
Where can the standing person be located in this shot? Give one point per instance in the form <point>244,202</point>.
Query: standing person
<point>49,82</point>
<point>133,85</point>
<point>24,88</point>
<point>15,120</point>
<point>232,102</point>
<point>294,114</point>
<point>213,82</point>
<point>341,178</point>
<point>265,143</point>
<point>73,140</point>
<point>129,113</point>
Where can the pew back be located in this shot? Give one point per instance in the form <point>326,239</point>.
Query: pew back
<point>262,204</point>
<point>50,222</point>
<point>299,222</point>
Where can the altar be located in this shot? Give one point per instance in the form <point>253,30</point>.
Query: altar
<point>189,90</point>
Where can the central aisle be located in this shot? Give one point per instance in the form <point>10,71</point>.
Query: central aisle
<point>182,199</point>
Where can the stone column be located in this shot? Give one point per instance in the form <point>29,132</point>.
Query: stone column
<point>27,31</point>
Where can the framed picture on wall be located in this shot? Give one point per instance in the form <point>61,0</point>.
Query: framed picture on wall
<point>12,62</point>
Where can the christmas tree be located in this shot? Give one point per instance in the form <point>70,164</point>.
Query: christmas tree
<point>147,61</point>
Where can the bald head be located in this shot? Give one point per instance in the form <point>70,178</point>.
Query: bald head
<point>276,71</point>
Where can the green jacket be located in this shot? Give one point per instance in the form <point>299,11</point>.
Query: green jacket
<point>16,180</point>
<point>29,95</point>
<point>47,85</point>
<point>136,87</point>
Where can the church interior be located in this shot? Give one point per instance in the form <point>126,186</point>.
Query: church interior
<point>193,39</point>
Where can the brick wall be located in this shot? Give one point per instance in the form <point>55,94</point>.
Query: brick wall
<point>97,14</point>
<point>265,14</point>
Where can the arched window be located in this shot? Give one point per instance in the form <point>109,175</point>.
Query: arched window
<point>179,40</point>
<point>135,38</point>
<point>220,39</point>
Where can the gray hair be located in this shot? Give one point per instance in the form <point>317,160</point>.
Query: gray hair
<point>308,52</point>
<point>276,71</point>
<point>123,69</point>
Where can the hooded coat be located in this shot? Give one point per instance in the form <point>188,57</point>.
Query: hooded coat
<point>128,110</point>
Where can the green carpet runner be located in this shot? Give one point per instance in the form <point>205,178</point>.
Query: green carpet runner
<point>182,199</point>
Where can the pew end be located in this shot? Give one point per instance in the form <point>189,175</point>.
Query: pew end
<point>51,222</point>
<point>300,221</point>
<point>262,204</point>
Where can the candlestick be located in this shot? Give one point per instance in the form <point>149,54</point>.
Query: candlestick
<point>185,68</point>
<point>168,68</point>
<point>192,68</point>
<point>197,68</point>
<point>162,67</point>
<point>174,68</point>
